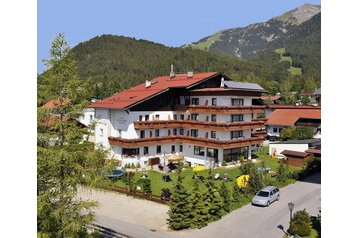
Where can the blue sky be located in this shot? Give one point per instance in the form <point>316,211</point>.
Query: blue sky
<point>172,23</point>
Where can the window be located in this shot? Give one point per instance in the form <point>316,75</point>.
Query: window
<point>181,116</point>
<point>199,150</point>
<point>145,150</point>
<point>180,148</point>
<point>237,117</point>
<point>140,117</point>
<point>252,115</point>
<point>101,132</point>
<point>213,101</point>
<point>236,134</point>
<point>91,117</point>
<point>175,131</point>
<point>275,129</point>
<point>237,102</point>
<point>175,117</point>
<point>195,101</point>
<point>194,133</point>
<point>130,151</point>
<point>213,118</point>
<point>156,132</point>
<point>279,130</point>
<point>173,148</point>
<point>210,152</point>
<point>159,149</point>
<point>142,134</point>
<point>213,134</point>
<point>181,131</point>
<point>194,117</point>
<point>147,117</point>
<point>157,117</point>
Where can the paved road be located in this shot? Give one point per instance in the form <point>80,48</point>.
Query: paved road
<point>261,222</point>
<point>246,222</point>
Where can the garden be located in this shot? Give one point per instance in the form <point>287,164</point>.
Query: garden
<point>205,195</point>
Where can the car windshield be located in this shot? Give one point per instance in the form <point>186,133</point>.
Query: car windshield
<point>263,194</point>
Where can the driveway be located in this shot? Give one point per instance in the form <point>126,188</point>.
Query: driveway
<point>251,221</point>
<point>248,221</point>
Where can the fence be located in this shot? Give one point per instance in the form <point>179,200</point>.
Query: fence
<point>106,232</point>
<point>140,194</point>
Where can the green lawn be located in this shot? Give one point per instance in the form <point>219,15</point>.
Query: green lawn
<point>263,159</point>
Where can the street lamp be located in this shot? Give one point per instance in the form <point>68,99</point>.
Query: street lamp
<point>290,207</point>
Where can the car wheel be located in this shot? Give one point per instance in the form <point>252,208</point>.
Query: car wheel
<point>278,197</point>
<point>268,203</point>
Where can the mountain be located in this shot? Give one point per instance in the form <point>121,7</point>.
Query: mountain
<point>298,31</point>
<point>114,63</point>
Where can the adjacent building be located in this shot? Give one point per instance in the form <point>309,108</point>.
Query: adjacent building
<point>204,118</point>
<point>284,116</point>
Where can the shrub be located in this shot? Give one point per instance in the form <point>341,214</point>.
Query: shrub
<point>302,216</point>
<point>312,166</point>
<point>300,228</point>
<point>132,166</point>
<point>138,166</point>
<point>224,163</point>
<point>145,184</point>
<point>283,172</point>
<point>300,224</point>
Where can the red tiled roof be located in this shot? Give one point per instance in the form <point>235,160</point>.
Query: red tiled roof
<point>55,103</point>
<point>281,106</point>
<point>138,93</point>
<point>273,98</point>
<point>288,117</point>
<point>294,153</point>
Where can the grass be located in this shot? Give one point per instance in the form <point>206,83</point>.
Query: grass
<point>280,51</point>
<point>205,45</point>
<point>263,160</point>
<point>292,70</point>
<point>295,71</point>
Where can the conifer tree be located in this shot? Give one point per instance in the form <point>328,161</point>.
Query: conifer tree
<point>225,195</point>
<point>213,201</point>
<point>199,211</point>
<point>235,195</point>
<point>64,158</point>
<point>179,209</point>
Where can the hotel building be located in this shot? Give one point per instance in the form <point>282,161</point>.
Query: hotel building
<point>203,118</point>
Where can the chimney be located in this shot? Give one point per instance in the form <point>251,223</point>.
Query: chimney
<point>172,74</point>
<point>190,74</point>
<point>147,84</point>
<point>222,85</point>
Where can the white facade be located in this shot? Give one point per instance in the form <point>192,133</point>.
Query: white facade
<point>120,125</point>
<point>278,148</point>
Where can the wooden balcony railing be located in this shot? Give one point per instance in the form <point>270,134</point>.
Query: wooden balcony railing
<point>220,109</point>
<point>224,126</point>
<point>215,143</point>
<point>262,133</point>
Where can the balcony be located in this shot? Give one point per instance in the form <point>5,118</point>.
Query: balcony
<point>261,133</point>
<point>214,143</point>
<point>220,109</point>
<point>222,126</point>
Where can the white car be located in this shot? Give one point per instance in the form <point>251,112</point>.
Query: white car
<point>266,196</point>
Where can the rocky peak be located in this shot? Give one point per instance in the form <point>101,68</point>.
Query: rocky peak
<point>300,14</point>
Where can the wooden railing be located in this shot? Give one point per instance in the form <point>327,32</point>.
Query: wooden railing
<point>259,133</point>
<point>220,109</point>
<point>226,126</point>
<point>216,143</point>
